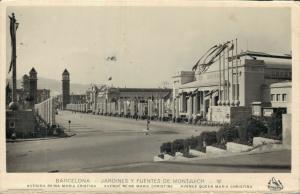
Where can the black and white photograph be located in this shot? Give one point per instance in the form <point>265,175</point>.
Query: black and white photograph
<point>148,89</point>
<point>138,89</point>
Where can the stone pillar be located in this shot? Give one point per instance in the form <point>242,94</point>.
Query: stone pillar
<point>179,99</point>
<point>177,107</point>
<point>150,108</point>
<point>119,107</point>
<point>184,102</point>
<point>114,107</point>
<point>173,109</point>
<point>141,109</point>
<point>162,109</point>
<point>190,108</point>
<point>159,108</point>
<point>195,106</point>
<point>204,104</point>
<point>125,107</point>
<point>132,108</point>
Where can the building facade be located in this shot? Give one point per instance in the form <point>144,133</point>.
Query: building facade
<point>127,102</point>
<point>226,91</point>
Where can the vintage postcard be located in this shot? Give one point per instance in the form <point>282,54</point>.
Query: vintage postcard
<point>137,96</point>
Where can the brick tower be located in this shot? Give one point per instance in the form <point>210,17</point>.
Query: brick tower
<point>25,83</point>
<point>33,87</point>
<point>65,88</point>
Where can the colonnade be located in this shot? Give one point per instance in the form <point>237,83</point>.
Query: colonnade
<point>46,110</point>
<point>126,107</point>
<point>192,105</point>
<point>79,107</point>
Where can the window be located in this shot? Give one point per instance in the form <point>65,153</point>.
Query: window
<point>277,97</point>
<point>272,97</point>
<point>284,97</point>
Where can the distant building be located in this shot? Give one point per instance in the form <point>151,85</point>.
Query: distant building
<point>127,102</point>
<point>22,122</point>
<point>28,94</point>
<point>281,95</point>
<point>25,82</point>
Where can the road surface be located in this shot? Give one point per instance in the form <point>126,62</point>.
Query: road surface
<point>113,144</point>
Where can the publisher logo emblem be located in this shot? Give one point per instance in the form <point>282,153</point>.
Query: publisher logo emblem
<point>275,184</point>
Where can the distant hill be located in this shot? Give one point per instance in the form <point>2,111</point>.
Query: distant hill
<point>55,86</point>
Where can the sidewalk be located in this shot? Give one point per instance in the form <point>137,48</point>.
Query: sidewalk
<point>67,134</point>
<point>272,159</point>
<point>270,162</point>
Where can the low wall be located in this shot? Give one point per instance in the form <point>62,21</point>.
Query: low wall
<point>257,141</point>
<point>21,121</point>
<point>236,147</point>
<point>47,110</point>
<point>286,129</point>
<point>214,150</point>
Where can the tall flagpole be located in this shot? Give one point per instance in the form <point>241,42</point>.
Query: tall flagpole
<point>227,83</point>
<point>236,75</point>
<point>220,78</point>
<point>224,93</point>
<point>231,84</point>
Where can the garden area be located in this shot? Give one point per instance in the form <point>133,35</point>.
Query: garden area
<point>241,132</point>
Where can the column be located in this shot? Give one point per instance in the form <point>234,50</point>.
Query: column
<point>204,104</point>
<point>114,110</point>
<point>119,107</point>
<point>184,102</point>
<point>140,111</point>
<point>162,108</point>
<point>159,108</point>
<point>190,108</point>
<point>200,101</point>
<point>195,105</point>
<point>150,108</point>
<point>177,101</point>
<point>131,108</point>
<point>173,108</point>
<point>125,108</point>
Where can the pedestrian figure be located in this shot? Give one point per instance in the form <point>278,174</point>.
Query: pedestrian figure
<point>148,124</point>
<point>147,127</point>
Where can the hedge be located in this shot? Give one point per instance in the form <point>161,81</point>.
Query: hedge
<point>183,145</point>
<point>227,133</point>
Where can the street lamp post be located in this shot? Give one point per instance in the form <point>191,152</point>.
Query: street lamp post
<point>69,125</point>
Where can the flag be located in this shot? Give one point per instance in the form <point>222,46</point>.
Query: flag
<point>195,67</point>
<point>112,58</point>
<point>110,78</point>
<point>13,38</point>
<point>10,66</point>
<point>231,47</point>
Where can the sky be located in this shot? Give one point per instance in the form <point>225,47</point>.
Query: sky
<point>150,43</point>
